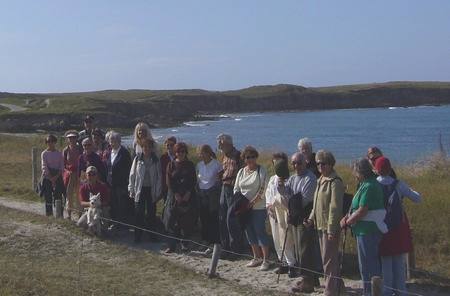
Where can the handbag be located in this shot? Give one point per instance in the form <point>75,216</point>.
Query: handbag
<point>242,206</point>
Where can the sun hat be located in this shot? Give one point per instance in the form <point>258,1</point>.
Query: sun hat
<point>71,133</point>
<point>281,168</point>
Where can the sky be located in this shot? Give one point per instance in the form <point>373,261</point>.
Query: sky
<point>66,46</point>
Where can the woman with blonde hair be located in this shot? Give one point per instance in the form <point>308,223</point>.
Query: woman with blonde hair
<point>141,133</point>
<point>144,187</point>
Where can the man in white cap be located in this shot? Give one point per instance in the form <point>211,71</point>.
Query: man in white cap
<point>71,179</point>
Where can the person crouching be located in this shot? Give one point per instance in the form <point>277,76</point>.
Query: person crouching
<point>92,187</point>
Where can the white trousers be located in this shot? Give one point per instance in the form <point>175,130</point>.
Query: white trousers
<point>278,234</point>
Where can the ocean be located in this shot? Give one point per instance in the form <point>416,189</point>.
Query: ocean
<point>405,135</point>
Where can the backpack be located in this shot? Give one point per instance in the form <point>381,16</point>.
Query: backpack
<point>393,205</point>
<point>347,200</point>
<point>296,213</point>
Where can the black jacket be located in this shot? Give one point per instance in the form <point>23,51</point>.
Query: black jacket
<point>119,170</point>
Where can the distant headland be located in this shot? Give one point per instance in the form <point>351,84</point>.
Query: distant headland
<point>28,112</point>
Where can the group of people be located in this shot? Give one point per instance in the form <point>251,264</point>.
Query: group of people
<point>233,199</point>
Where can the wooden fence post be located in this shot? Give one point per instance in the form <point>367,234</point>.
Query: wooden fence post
<point>34,170</point>
<point>214,261</point>
<point>377,286</point>
<point>58,208</point>
<point>410,263</point>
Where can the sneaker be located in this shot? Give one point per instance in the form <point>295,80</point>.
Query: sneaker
<point>282,269</point>
<point>292,272</point>
<point>184,247</point>
<point>169,250</point>
<point>254,262</point>
<point>208,251</point>
<point>264,266</point>
<point>305,286</point>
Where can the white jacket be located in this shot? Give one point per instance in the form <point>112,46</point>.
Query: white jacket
<point>137,175</point>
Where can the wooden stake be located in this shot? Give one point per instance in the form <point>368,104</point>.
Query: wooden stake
<point>34,170</point>
<point>377,286</point>
<point>214,261</point>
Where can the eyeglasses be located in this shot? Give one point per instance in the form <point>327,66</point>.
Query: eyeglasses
<point>250,157</point>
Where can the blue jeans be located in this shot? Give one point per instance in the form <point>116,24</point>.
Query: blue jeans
<point>256,228</point>
<point>394,274</point>
<point>368,258</point>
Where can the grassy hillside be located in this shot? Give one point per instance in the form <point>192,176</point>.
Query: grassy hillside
<point>392,85</point>
<point>123,108</point>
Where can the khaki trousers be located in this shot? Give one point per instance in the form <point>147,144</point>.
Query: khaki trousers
<point>330,258</point>
<point>72,202</point>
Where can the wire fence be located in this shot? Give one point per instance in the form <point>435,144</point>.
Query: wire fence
<point>35,174</point>
<point>241,255</point>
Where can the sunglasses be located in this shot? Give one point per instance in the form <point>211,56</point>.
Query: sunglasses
<point>250,157</point>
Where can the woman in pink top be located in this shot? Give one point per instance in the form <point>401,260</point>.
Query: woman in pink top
<point>52,168</point>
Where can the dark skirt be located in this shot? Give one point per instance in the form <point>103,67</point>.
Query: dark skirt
<point>209,213</point>
<point>398,240</point>
<point>179,218</point>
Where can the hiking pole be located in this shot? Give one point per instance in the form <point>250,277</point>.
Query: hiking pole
<point>282,251</point>
<point>341,265</point>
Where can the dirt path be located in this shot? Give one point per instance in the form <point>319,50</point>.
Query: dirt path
<point>13,108</point>
<point>232,271</point>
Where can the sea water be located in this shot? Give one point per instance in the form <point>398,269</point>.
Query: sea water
<point>403,134</point>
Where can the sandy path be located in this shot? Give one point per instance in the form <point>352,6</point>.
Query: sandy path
<point>234,271</point>
<point>13,108</point>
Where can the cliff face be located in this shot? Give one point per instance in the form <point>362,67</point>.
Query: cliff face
<point>176,107</point>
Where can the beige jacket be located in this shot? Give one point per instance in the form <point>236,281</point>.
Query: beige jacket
<point>328,202</point>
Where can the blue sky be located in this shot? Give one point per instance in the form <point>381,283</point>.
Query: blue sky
<point>56,46</point>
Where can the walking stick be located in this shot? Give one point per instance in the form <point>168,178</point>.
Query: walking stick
<point>282,251</point>
<point>341,265</point>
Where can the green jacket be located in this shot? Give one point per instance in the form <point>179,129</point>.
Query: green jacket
<point>328,200</point>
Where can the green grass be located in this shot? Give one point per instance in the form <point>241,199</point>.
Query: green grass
<point>42,256</point>
<point>430,220</point>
